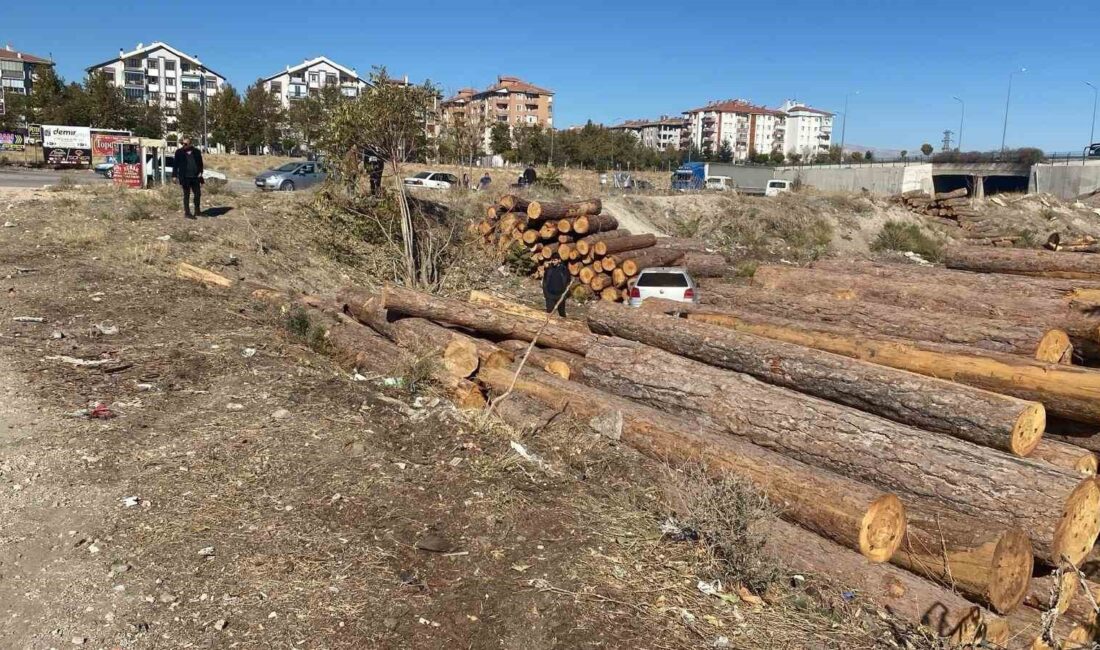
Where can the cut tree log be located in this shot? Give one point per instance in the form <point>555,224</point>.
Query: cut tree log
<point>972,414</point>
<point>1049,592</point>
<point>953,194</point>
<point>632,262</point>
<point>1065,456</point>
<point>366,307</point>
<point>513,203</point>
<point>620,244</point>
<point>556,362</point>
<point>933,296</point>
<point>600,281</point>
<point>1087,300</point>
<point>543,210</point>
<point>687,244</point>
<point>1069,392</point>
<point>850,513</point>
<point>484,299</point>
<point>1024,261</point>
<point>548,231</point>
<point>705,265</point>
<point>486,320</point>
<point>461,354</point>
<point>610,294</point>
<point>988,562</point>
<point>594,224</point>
<point>585,244</point>
<point>1059,511</point>
<point>828,313</point>
<point>586,274</point>
<point>209,278</point>
<point>910,598</point>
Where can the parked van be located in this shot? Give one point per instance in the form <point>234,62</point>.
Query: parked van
<point>776,187</point>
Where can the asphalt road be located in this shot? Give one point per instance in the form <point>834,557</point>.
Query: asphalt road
<point>19,177</point>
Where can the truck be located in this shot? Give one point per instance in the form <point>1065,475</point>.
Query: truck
<point>744,179</point>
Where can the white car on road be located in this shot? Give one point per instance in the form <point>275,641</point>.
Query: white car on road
<point>432,180</point>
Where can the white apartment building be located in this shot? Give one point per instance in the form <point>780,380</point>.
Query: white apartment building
<point>809,131</point>
<point>310,76</point>
<point>746,127</point>
<point>160,74</point>
<point>660,135</point>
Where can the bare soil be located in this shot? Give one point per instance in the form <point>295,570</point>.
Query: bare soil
<point>245,492</point>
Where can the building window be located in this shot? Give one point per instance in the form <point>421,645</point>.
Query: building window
<point>330,79</point>
<point>314,77</point>
<point>185,66</point>
<point>11,69</point>
<point>133,62</point>
<point>135,78</point>
<point>190,85</point>
<point>211,83</point>
<point>277,87</point>
<point>170,82</point>
<point>171,97</point>
<point>169,65</point>
<point>134,94</point>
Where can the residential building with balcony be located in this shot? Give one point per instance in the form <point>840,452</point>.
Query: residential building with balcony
<point>159,74</point>
<point>745,126</point>
<point>660,135</point>
<point>809,131</point>
<point>310,76</point>
<point>18,70</point>
<point>510,100</point>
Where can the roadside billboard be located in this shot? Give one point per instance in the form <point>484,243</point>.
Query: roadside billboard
<point>66,145</point>
<point>13,140</point>
<point>103,144</point>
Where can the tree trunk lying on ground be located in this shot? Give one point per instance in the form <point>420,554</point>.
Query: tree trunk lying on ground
<point>851,513</point>
<point>931,296</point>
<point>1024,261</point>
<point>486,320</point>
<point>542,210</point>
<point>513,203</point>
<point>1065,391</point>
<point>556,362</point>
<point>620,244</point>
<point>461,354</point>
<point>585,244</point>
<point>705,265</point>
<point>633,262</point>
<point>972,414</point>
<point>912,599</point>
<point>878,319</point>
<point>1059,511</point>
<point>1062,593</point>
<point>498,303</point>
<point>595,223</point>
<point>687,244</point>
<point>1065,456</point>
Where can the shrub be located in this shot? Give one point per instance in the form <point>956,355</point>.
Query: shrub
<point>898,236</point>
<point>138,211</point>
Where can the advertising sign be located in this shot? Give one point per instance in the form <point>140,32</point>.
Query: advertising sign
<point>34,134</point>
<point>14,140</point>
<point>127,174</point>
<point>103,144</point>
<point>66,145</point>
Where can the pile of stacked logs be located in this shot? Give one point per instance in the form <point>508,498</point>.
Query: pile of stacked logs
<point>601,257</point>
<point>927,433</point>
<point>954,210</point>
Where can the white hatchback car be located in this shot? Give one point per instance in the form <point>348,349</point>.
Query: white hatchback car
<point>432,180</point>
<point>668,282</point>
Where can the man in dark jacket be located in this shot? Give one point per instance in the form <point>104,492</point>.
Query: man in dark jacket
<point>555,282</point>
<point>187,169</point>
<point>529,175</point>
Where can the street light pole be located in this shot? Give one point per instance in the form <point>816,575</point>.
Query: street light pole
<point>844,125</point>
<point>962,116</point>
<point>202,96</point>
<point>1092,124</point>
<point>1008,98</point>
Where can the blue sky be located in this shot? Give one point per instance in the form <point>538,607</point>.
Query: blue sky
<point>617,60</point>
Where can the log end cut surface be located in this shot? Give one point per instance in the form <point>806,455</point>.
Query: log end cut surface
<point>882,529</point>
<point>1055,347</point>
<point>460,357</point>
<point>1080,523</point>
<point>1013,562</point>
<point>1029,429</point>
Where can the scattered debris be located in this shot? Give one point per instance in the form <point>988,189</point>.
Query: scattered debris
<point>130,502</point>
<point>82,363</point>
<point>433,543</point>
<point>29,319</point>
<point>209,278</point>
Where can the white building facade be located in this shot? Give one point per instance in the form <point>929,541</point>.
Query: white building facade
<point>747,128</point>
<point>310,76</point>
<point>162,75</point>
<point>809,131</point>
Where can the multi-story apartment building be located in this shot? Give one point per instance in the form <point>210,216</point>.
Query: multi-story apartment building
<point>746,127</point>
<point>510,100</point>
<point>310,76</point>
<point>809,131</point>
<point>18,70</point>
<point>160,74</point>
<point>661,135</point>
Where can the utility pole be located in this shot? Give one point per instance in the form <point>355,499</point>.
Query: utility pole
<point>202,98</point>
<point>844,125</point>
<point>962,116</point>
<point>1008,98</point>
<point>1092,124</point>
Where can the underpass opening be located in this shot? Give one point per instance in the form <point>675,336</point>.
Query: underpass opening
<point>943,183</point>
<point>1005,184</point>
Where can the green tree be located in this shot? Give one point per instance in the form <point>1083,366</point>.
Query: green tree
<point>855,156</point>
<point>146,120</point>
<point>189,118</point>
<point>903,154</point>
<point>262,117</point>
<point>868,155</point>
<point>47,101</point>
<point>500,138</point>
<point>225,115</point>
<point>835,154</point>
<point>794,157</point>
<point>106,105</point>
<point>926,149</point>
<point>306,117</point>
<point>725,152</point>
<point>777,157</point>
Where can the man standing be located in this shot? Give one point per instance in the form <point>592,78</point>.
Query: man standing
<point>555,282</point>
<point>529,176</point>
<point>188,171</point>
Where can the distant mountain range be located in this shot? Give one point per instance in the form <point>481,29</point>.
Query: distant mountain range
<point>877,152</point>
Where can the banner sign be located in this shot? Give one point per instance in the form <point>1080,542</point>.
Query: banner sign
<point>66,145</point>
<point>34,134</point>
<point>103,144</point>
<point>127,174</point>
<point>14,140</point>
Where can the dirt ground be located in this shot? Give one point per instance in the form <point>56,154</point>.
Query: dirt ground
<point>208,480</point>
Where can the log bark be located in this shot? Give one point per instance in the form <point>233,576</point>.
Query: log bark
<point>620,244</point>
<point>1065,391</point>
<point>1048,592</point>
<point>986,561</point>
<point>525,414</point>
<point>686,244</point>
<point>1059,511</point>
<point>513,203</point>
<point>1023,261</point>
<point>932,296</point>
<point>484,299</point>
<point>594,224</point>
<point>1065,456</point>
<point>705,265</point>
<point>486,320</point>
<point>201,275</point>
<point>461,354</point>
<point>367,307</point>
<point>874,319</point>
<point>913,599</point>
<point>556,362</point>
<point>953,194</point>
<point>632,262</point>
<point>976,415</point>
<point>850,513</point>
<point>585,244</point>
<point>544,210</point>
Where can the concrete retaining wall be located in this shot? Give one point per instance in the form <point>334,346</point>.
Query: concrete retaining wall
<point>882,180</point>
<point>1067,182</point>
